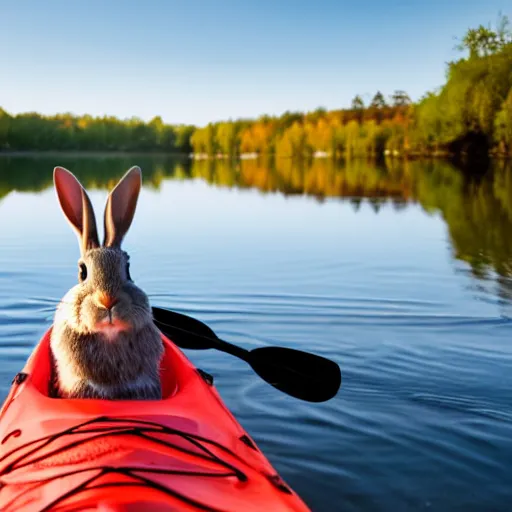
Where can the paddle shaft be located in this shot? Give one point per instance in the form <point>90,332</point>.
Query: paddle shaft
<point>217,343</point>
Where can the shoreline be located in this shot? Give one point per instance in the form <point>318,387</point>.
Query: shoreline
<point>437,155</point>
<point>89,153</point>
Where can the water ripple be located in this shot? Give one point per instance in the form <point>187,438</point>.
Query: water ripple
<point>423,420</point>
<point>465,405</point>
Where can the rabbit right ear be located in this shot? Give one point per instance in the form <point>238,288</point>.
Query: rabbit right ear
<point>77,208</point>
<point>120,207</point>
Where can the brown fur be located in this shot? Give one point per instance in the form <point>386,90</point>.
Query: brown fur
<point>90,360</point>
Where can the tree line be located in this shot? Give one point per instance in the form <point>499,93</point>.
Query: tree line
<point>66,132</point>
<point>360,130</point>
<point>474,106</point>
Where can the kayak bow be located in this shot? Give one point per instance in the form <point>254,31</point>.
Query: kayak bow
<point>185,452</point>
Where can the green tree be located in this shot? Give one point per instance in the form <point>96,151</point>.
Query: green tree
<point>227,138</point>
<point>357,103</point>
<point>5,121</point>
<point>503,126</point>
<point>378,101</point>
<point>483,41</point>
<point>203,140</point>
<point>400,99</point>
<point>183,134</point>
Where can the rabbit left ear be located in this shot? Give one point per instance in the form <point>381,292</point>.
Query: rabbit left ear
<point>120,207</point>
<point>77,208</point>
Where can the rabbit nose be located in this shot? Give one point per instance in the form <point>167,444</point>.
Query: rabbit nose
<point>106,300</point>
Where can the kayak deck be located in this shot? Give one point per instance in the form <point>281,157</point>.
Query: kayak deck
<point>186,451</point>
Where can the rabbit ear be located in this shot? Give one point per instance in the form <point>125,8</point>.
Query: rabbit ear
<point>120,207</point>
<point>77,207</point>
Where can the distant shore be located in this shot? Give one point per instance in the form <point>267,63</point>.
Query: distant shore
<point>394,154</point>
<point>91,153</point>
<point>411,155</point>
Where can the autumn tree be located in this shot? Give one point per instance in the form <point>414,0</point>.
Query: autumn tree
<point>293,142</point>
<point>319,135</point>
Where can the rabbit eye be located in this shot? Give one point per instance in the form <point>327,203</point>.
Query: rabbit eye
<point>82,272</point>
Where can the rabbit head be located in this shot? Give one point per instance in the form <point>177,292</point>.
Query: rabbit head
<point>104,342</point>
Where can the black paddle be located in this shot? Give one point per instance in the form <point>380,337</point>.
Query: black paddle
<point>302,375</point>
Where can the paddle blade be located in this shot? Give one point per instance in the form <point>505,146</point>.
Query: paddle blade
<point>299,374</point>
<point>294,372</point>
<point>184,331</point>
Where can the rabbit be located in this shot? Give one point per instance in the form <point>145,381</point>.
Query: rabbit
<point>103,343</point>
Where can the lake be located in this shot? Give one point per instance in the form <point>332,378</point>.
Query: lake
<point>400,272</point>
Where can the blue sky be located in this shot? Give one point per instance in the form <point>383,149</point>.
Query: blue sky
<point>193,61</point>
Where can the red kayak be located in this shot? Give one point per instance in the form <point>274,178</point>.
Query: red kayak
<point>185,452</point>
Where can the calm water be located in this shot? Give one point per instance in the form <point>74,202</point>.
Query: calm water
<point>401,274</point>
